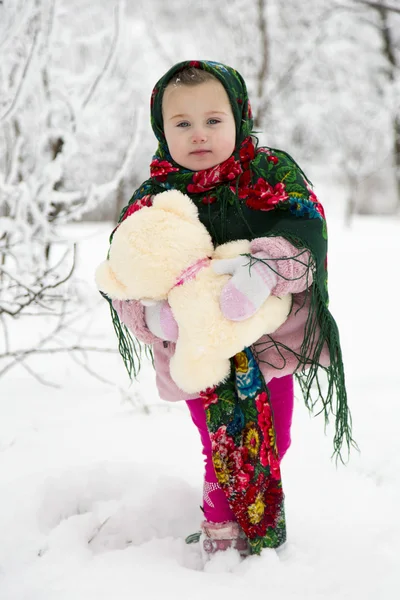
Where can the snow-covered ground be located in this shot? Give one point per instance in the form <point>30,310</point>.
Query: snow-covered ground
<point>100,484</point>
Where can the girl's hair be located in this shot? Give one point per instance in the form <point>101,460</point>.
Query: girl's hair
<point>191,76</point>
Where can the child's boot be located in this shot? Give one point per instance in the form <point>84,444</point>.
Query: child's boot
<point>218,537</point>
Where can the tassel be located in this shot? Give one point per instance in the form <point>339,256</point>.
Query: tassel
<point>320,328</point>
<point>129,347</point>
<point>334,400</point>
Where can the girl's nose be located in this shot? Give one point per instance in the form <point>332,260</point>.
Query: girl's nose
<point>199,137</point>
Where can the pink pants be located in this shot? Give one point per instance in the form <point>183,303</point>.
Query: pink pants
<point>215,505</point>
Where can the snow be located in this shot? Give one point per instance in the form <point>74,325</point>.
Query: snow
<point>100,484</point>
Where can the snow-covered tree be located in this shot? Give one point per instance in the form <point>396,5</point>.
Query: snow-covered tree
<point>384,17</point>
<point>59,62</point>
<point>51,94</point>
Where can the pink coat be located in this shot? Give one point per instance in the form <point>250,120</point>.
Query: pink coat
<point>294,277</point>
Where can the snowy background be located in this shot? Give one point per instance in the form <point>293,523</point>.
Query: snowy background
<point>100,481</point>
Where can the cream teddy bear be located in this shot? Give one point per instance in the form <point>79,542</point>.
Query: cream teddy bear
<point>163,252</point>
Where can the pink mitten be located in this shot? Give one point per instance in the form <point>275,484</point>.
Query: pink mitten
<point>248,287</point>
<point>160,320</point>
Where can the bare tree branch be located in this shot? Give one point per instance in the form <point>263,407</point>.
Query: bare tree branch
<point>389,51</point>
<point>15,153</point>
<point>86,367</point>
<point>98,529</point>
<point>8,152</point>
<point>50,24</point>
<point>113,46</point>
<point>38,377</point>
<point>57,93</point>
<point>96,193</point>
<point>60,262</point>
<point>23,78</point>
<point>388,42</point>
<point>262,75</point>
<point>22,353</point>
<point>17,25</point>
<point>284,80</point>
<point>20,356</point>
<point>6,336</point>
<point>380,6</point>
<point>36,296</point>
<point>155,40</point>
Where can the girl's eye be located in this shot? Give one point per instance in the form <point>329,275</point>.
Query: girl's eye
<point>213,121</point>
<point>183,124</point>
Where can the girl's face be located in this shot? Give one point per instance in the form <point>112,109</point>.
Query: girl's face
<point>198,124</point>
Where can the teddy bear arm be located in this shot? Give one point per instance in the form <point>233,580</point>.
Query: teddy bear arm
<point>108,282</point>
<point>232,249</point>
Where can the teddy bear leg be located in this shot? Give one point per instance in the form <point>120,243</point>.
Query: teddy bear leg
<point>194,374</point>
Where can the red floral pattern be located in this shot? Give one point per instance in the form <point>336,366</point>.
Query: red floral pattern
<point>153,97</point>
<point>209,397</point>
<point>245,455</point>
<point>268,450</point>
<point>262,195</point>
<point>318,206</point>
<point>263,503</point>
<point>160,169</point>
<point>247,153</point>
<point>132,208</point>
<point>244,184</point>
<point>230,464</point>
<point>203,181</point>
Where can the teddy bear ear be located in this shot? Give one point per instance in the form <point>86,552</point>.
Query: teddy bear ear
<point>176,203</point>
<point>107,282</point>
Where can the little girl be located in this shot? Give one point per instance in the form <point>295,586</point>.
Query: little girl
<point>201,116</point>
